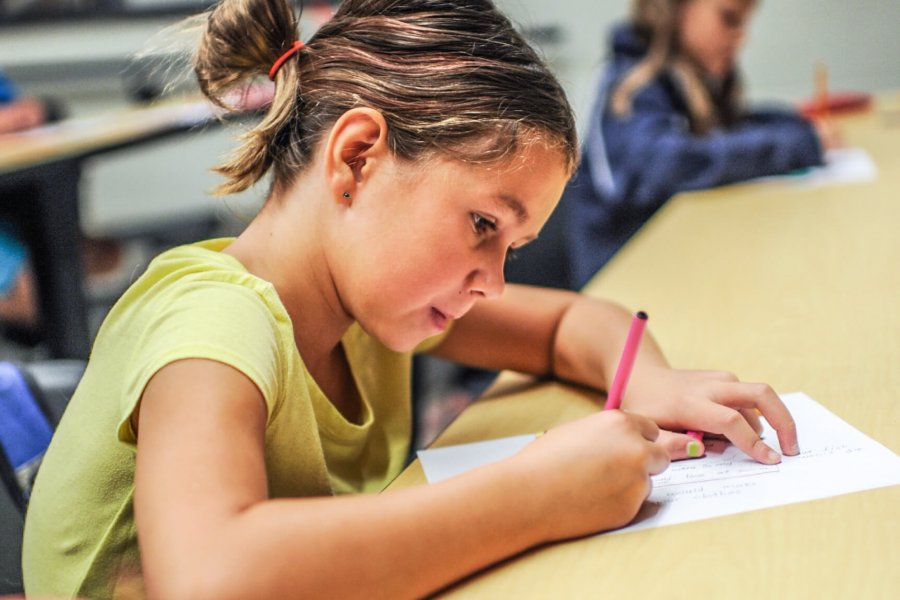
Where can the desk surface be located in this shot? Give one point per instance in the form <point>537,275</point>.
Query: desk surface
<point>796,287</point>
<point>84,136</point>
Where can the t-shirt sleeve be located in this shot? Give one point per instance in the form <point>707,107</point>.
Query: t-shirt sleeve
<point>213,320</point>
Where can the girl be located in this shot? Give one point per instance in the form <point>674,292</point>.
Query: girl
<point>668,118</point>
<point>243,392</point>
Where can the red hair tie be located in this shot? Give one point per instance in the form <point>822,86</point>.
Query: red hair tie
<point>281,59</point>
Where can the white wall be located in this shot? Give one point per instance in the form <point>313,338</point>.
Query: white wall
<point>859,41</point>
<point>169,179</point>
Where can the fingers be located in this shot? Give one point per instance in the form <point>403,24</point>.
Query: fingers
<point>657,456</point>
<point>648,429</point>
<point>658,459</point>
<point>733,425</point>
<point>679,446</point>
<point>752,417</point>
<point>762,397</point>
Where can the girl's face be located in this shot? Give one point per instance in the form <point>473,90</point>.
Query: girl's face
<point>422,244</point>
<point>711,32</point>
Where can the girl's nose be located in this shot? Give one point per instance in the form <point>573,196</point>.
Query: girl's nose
<point>487,281</point>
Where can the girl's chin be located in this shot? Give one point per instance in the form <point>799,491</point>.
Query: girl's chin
<point>720,70</point>
<point>405,342</point>
<point>407,339</point>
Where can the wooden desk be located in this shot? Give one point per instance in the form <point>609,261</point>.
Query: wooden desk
<point>87,136</point>
<point>796,287</point>
<point>39,174</point>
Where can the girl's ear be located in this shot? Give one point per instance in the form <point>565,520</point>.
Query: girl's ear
<point>356,145</point>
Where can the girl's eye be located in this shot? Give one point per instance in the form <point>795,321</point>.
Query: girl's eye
<point>482,225</point>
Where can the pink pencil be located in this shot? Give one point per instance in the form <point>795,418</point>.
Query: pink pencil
<point>626,362</point>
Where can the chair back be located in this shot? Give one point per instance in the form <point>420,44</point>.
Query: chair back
<point>33,397</point>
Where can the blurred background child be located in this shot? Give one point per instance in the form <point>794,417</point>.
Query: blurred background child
<point>668,117</point>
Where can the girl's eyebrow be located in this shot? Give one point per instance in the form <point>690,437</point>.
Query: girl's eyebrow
<point>516,206</point>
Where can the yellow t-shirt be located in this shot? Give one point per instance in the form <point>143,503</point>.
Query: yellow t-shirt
<point>196,302</point>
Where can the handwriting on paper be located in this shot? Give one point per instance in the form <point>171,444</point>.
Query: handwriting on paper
<point>722,461</point>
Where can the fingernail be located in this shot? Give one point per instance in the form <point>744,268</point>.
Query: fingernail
<point>793,450</point>
<point>694,449</point>
<point>773,457</point>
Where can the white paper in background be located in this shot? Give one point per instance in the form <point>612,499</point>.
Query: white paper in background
<point>842,165</point>
<point>835,459</point>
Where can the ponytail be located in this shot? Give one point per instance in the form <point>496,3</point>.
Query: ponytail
<point>241,42</point>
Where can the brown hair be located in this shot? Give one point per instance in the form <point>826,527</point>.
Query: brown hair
<point>657,21</point>
<point>444,73</point>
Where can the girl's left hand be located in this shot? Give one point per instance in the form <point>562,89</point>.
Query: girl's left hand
<point>714,402</point>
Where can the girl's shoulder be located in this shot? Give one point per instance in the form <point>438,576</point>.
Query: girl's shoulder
<point>199,257</point>
<point>198,283</point>
<point>199,264</point>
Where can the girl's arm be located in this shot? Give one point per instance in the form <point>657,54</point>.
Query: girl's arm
<point>527,329</point>
<point>653,155</point>
<point>21,114</point>
<point>208,530</point>
<point>579,339</point>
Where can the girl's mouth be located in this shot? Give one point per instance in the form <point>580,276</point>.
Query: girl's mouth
<point>439,319</point>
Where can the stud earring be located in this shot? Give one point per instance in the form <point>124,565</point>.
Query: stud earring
<point>346,195</point>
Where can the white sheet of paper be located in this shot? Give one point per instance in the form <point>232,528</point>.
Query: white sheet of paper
<point>835,459</point>
<point>842,165</point>
<point>443,463</point>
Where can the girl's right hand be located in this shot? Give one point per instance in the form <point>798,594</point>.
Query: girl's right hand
<point>592,474</point>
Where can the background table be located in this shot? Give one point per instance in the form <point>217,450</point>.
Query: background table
<point>779,283</point>
<point>40,171</point>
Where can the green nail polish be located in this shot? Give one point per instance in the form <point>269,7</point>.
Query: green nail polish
<point>693,448</point>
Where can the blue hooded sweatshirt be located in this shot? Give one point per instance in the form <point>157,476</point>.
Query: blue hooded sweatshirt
<point>631,165</point>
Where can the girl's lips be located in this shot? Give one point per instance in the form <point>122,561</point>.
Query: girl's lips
<point>439,319</point>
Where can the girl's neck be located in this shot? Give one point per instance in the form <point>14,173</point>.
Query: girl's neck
<point>282,246</point>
